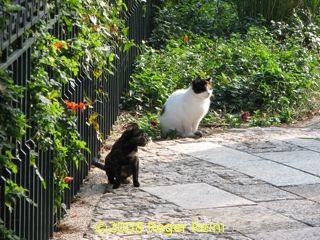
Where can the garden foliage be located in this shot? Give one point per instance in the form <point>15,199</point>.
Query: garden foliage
<point>52,120</point>
<point>267,68</point>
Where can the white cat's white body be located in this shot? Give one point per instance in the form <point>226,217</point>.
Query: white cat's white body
<point>183,111</point>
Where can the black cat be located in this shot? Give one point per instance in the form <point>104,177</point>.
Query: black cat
<point>122,161</point>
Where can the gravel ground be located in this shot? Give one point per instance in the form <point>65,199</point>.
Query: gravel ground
<point>76,223</point>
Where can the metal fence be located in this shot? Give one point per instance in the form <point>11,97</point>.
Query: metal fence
<point>37,222</point>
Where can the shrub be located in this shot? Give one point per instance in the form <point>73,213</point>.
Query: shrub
<point>159,72</point>
<point>253,72</point>
<point>276,10</point>
<point>300,30</point>
<point>260,73</point>
<point>266,68</point>
<point>203,17</point>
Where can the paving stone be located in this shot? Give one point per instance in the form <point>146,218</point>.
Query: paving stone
<point>235,177</point>
<point>308,233</point>
<point>186,169</point>
<point>241,179</point>
<point>259,192</point>
<point>233,237</point>
<point>251,219</point>
<point>312,144</point>
<point>311,192</point>
<point>262,145</point>
<point>303,210</point>
<point>197,195</point>
<point>308,161</point>
<point>274,173</point>
<point>192,147</point>
<point>214,153</point>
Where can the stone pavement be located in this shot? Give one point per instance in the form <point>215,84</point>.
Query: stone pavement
<point>256,183</point>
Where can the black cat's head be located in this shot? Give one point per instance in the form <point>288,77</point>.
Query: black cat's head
<point>133,135</point>
<point>202,87</point>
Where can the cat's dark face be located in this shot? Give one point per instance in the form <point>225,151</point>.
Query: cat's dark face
<point>202,87</point>
<point>135,136</point>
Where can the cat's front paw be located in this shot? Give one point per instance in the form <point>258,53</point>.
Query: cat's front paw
<point>198,134</point>
<point>116,185</point>
<point>136,184</point>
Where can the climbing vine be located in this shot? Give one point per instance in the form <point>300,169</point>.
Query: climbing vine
<point>93,32</point>
<point>12,125</point>
<point>99,32</point>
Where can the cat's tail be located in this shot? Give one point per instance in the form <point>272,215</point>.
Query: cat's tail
<point>95,162</point>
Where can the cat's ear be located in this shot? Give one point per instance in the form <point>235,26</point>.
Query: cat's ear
<point>197,79</point>
<point>130,128</point>
<point>208,79</point>
<point>131,125</point>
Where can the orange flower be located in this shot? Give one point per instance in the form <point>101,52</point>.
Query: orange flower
<point>68,179</point>
<point>186,38</point>
<point>82,105</point>
<point>59,45</point>
<point>95,28</point>
<point>153,124</point>
<point>72,105</point>
<point>113,28</point>
<point>85,18</point>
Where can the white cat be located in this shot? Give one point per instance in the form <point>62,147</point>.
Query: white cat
<point>185,108</point>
